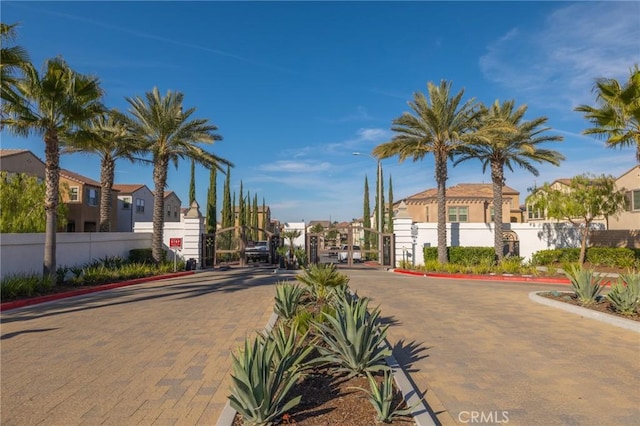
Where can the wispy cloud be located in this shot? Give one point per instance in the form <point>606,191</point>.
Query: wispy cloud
<point>360,114</point>
<point>285,166</point>
<point>556,64</point>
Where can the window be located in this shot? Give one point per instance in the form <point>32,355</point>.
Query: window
<point>635,200</point>
<point>126,203</point>
<point>139,205</point>
<point>426,214</point>
<point>459,214</point>
<point>168,211</point>
<point>92,197</point>
<point>74,193</point>
<point>492,213</point>
<point>175,211</point>
<point>534,214</point>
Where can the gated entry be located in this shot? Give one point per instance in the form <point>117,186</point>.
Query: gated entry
<point>228,245</point>
<point>358,244</point>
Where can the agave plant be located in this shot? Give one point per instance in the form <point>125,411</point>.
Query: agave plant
<point>287,300</point>
<point>261,383</point>
<point>625,293</point>
<point>323,281</point>
<point>291,347</point>
<point>381,397</point>
<point>587,286</point>
<point>353,338</point>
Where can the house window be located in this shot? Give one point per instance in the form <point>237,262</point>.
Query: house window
<point>492,213</point>
<point>533,213</point>
<point>458,214</point>
<point>635,200</point>
<point>139,205</point>
<point>74,193</point>
<point>168,211</point>
<point>92,197</point>
<point>175,211</point>
<point>126,203</point>
<point>426,214</point>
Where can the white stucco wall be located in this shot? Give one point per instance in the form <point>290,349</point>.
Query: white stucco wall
<point>533,237</point>
<point>24,253</point>
<point>300,226</point>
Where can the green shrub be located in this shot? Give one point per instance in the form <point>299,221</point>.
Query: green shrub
<point>548,257</point>
<point>432,265</point>
<point>287,300</point>
<point>141,256</point>
<point>625,294</point>
<point>353,339</point>
<point>611,256</point>
<point>510,265</point>
<point>586,285</point>
<point>24,285</point>
<point>323,282</point>
<point>429,253</point>
<point>471,255</point>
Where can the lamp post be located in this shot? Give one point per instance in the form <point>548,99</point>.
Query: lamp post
<point>379,213</point>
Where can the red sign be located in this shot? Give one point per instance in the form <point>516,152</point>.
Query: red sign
<point>175,243</point>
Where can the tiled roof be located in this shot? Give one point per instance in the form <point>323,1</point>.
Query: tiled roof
<point>78,178</point>
<point>128,188</point>
<point>463,190</point>
<point>9,152</point>
<point>324,223</point>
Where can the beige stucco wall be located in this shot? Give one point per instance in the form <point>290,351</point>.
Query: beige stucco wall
<point>629,219</point>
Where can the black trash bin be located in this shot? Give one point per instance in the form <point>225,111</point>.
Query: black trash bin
<point>190,264</point>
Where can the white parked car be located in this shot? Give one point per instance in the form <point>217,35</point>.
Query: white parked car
<point>343,255</point>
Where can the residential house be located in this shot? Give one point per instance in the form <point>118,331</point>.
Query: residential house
<point>264,218</point>
<point>134,204</point>
<point>630,218</point>
<point>21,161</point>
<point>172,207</point>
<point>465,202</point>
<point>82,197</point>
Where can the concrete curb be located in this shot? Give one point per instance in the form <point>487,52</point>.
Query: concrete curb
<point>421,414</point>
<point>516,278</point>
<point>6,306</point>
<point>587,313</point>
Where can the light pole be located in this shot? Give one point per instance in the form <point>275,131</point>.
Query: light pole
<point>379,213</point>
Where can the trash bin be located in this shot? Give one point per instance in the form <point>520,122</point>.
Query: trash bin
<point>190,264</point>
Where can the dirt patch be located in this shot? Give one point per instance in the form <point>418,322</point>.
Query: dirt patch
<point>603,305</point>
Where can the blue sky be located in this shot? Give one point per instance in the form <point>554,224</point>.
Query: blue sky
<point>295,88</point>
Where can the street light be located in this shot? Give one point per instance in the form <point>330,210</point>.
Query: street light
<point>380,208</point>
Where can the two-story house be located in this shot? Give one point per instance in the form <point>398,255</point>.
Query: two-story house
<point>466,202</point>
<point>82,196</point>
<point>21,161</point>
<point>630,218</point>
<point>135,204</point>
<point>172,207</point>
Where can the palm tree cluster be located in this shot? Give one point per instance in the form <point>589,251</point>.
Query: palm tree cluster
<point>445,126</point>
<point>66,109</point>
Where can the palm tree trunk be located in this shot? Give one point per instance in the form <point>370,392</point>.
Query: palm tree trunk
<point>441,179</point>
<point>107,173</point>
<point>51,178</point>
<point>497,177</point>
<point>160,180</point>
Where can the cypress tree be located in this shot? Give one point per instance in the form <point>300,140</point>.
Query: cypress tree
<point>241,217</point>
<point>212,215</point>
<point>227,213</point>
<point>192,184</point>
<point>366,216</point>
<point>254,217</point>
<point>264,220</point>
<point>390,212</point>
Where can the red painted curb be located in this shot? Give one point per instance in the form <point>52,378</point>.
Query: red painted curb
<point>486,277</point>
<point>50,297</point>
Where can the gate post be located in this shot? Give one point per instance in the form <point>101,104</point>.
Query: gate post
<point>402,230</point>
<point>193,229</point>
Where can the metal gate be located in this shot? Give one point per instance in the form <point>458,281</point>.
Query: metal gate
<point>358,245</point>
<point>208,250</point>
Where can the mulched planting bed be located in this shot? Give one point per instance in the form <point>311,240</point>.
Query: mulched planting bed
<point>329,399</point>
<point>604,305</point>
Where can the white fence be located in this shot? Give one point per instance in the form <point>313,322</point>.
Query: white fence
<point>531,237</point>
<point>24,253</point>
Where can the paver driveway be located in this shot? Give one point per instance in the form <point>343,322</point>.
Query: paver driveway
<point>155,353</point>
<point>488,351</point>
<point>158,353</point>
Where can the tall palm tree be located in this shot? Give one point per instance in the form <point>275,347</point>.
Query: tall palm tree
<point>440,126</point>
<point>52,104</point>
<point>168,134</point>
<point>616,116</point>
<point>13,61</point>
<point>107,136</point>
<point>504,139</point>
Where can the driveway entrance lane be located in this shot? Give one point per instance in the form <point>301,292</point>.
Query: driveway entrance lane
<point>156,353</point>
<point>484,347</point>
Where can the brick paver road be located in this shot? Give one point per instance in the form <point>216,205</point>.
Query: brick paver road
<point>158,353</point>
<point>484,347</point>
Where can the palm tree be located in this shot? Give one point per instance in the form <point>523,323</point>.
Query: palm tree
<point>168,134</point>
<point>52,104</point>
<point>291,235</point>
<point>107,136</point>
<point>503,139</point>
<point>13,61</point>
<point>440,126</point>
<point>616,116</point>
